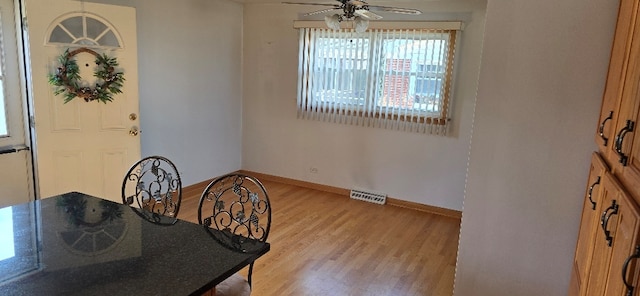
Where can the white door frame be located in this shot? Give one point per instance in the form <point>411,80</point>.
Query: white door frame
<point>15,149</point>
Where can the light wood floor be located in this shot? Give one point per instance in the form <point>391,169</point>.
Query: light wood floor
<point>328,244</point>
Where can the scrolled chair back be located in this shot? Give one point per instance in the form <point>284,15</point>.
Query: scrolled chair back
<point>153,188</point>
<point>236,211</point>
<point>238,206</point>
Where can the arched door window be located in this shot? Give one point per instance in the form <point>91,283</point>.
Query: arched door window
<point>83,29</point>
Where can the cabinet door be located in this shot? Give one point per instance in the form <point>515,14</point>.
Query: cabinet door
<point>589,224</point>
<point>620,50</point>
<point>623,225</point>
<point>599,269</point>
<point>626,143</point>
<point>624,148</point>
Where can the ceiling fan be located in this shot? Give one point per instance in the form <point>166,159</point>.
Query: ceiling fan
<point>357,10</point>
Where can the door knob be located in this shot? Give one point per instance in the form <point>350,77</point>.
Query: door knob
<point>134,131</point>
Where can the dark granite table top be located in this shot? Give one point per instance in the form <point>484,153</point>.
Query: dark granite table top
<point>74,244</point>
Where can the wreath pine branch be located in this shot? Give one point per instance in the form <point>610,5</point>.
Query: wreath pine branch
<point>67,76</point>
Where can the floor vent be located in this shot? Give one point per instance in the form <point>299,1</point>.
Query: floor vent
<point>374,197</point>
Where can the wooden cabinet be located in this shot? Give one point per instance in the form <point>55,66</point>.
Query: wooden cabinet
<point>608,237</point>
<point>622,226</point>
<point>624,151</point>
<point>614,240</point>
<point>618,123</point>
<point>589,224</point>
<point>616,76</point>
<point>608,248</point>
<point>626,142</point>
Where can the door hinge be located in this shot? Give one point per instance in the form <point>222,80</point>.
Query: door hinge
<point>24,24</point>
<point>32,121</point>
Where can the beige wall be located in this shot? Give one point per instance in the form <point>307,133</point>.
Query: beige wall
<point>416,167</point>
<point>543,69</point>
<point>190,60</point>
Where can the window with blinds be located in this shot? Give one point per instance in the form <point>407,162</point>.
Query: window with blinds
<point>390,78</point>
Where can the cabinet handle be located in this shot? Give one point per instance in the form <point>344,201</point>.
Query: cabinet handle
<point>635,255</point>
<point>620,139</point>
<point>604,221</point>
<point>601,128</point>
<point>593,203</point>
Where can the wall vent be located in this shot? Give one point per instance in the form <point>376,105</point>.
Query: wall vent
<point>373,197</point>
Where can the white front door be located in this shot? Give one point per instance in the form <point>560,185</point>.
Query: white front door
<point>16,179</point>
<point>83,146</point>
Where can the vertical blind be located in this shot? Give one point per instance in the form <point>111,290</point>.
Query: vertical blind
<point>388,78</point>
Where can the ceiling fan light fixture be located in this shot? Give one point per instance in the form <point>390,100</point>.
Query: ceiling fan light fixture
<point>351,9</point>
<point>361,24</point>
<point>333,21</point>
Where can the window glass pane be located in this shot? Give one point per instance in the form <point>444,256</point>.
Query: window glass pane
<point>87,42</point>
<point>94,28</point>
<point>413,73</point>
<point>6,234</point>
<point>3,113</point>
<point>427,94</point>
<point>74,26</point>
<point>340,70</point>
<point>109,39</point>
<point>58,35</point>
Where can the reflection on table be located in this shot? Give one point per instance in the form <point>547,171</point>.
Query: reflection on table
<point>91,246</point>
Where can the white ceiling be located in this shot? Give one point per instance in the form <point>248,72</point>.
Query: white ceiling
<point>372,2</point>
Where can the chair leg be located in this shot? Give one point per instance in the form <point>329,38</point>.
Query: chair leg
<point>250,273</point>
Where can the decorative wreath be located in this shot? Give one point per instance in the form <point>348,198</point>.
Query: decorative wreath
<point>66,79</point>
<point>75,206</point>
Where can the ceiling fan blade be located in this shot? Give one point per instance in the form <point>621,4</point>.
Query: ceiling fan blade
<point>394,9</point>
<point>320,11</point>
<point>367,14</point>
<point>319,4</point>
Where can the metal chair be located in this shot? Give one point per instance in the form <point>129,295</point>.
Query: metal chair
<point>153,189</point>
<point>236,210</point>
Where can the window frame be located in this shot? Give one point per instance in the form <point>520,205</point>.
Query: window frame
<point>414,115</point>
